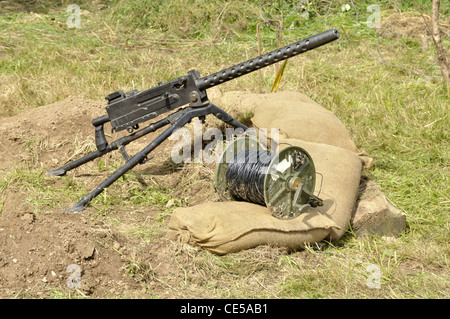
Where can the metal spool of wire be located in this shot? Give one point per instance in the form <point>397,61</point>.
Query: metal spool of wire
<point>283,182</point>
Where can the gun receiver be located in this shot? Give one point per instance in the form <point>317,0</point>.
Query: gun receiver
<point>125,111</point>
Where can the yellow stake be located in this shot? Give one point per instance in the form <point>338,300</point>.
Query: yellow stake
<point>278,77</point>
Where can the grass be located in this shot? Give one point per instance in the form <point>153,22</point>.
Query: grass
<point>396,108</point>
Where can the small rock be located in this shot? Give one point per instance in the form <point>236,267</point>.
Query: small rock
<point>170,203</point>
<point>28,218</point>
<point>375,215</point>
<point>88,251</point>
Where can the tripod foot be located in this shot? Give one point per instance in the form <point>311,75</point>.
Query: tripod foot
<point>80,206</point>
<point>75,208</point>
<point>57,172</point>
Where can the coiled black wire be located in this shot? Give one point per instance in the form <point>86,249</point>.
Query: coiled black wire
<point>245,175</point>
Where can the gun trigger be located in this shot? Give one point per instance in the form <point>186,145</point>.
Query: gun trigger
<point>100,139</point>
<point>145,160</point>
<point>127,157</point>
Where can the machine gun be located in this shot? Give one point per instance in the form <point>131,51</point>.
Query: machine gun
<point>125,111</point>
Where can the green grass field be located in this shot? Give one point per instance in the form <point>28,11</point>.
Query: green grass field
<point>383,86</point>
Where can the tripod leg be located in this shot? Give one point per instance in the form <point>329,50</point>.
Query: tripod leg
<point>83,160</point>
<point>178,121</point>
<point>227,118</point>
<point>135,160</point>
<point>111,147</point>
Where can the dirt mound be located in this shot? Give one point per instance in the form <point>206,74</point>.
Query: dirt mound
<point>47,134</point>
<point>45,251</point>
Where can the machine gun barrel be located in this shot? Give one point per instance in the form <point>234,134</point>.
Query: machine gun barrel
<point>267,59</point>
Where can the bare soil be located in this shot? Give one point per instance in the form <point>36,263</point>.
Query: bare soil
<point>40,250</point>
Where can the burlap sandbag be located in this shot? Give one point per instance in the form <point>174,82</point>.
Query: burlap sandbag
<point>338,181</point>
<point>226,227</point>
<point>230,226</point>
<point>295,115</point>
<point>305,123</point>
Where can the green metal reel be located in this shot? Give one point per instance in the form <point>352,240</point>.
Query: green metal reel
<point>288,183</point>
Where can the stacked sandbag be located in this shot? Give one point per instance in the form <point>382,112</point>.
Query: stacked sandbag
<point>224,227</point>
<point>305,123</point>
<point>299,117</point>
<point>338,183</point>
